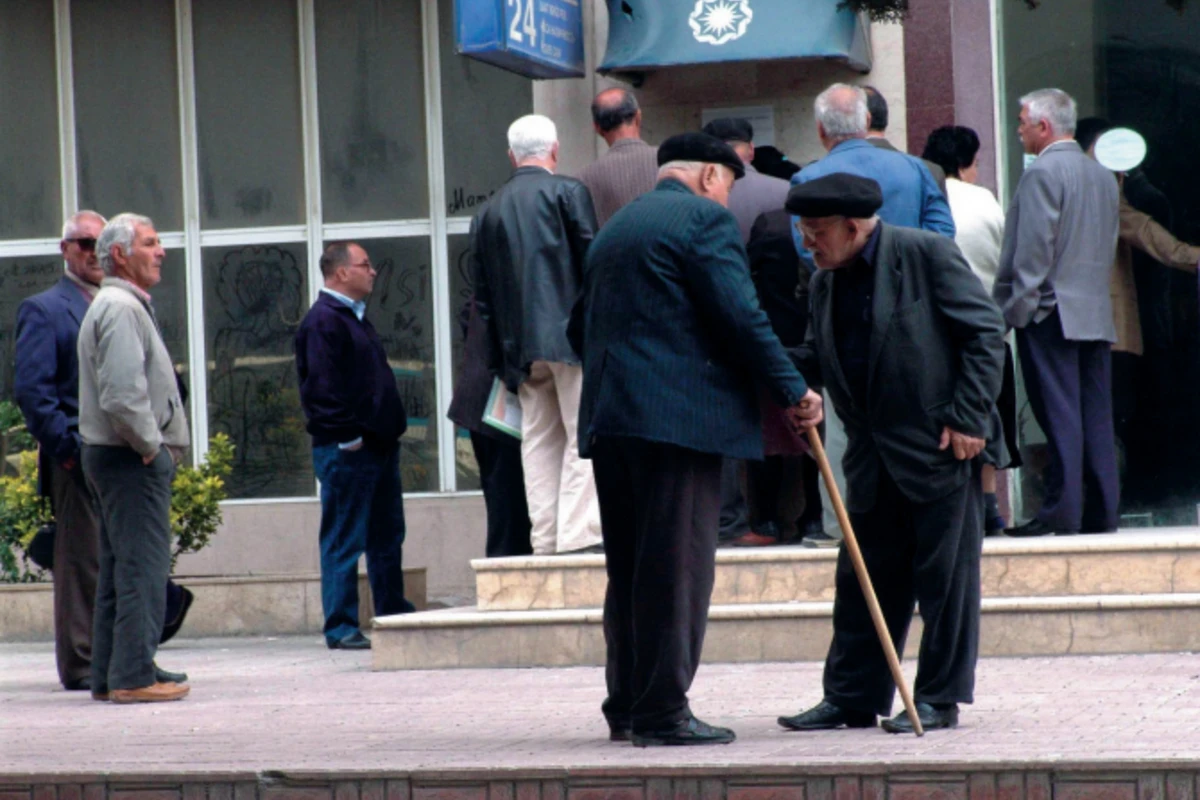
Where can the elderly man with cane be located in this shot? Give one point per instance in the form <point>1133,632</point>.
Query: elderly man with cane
<point>910,348</point>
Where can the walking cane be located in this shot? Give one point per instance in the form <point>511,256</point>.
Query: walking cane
<point>864,580</point>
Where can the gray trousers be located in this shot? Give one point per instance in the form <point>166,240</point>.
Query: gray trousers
<point>835,451</point>
<point>134,504</point>
<point>75,569</point>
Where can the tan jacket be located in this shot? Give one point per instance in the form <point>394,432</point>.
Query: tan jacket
<point>128,395</point>
<point>1141,231</point>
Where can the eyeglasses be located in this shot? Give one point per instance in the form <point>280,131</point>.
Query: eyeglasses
<point>85,242</point>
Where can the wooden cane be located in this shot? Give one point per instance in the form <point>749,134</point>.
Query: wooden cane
<point>864,579</point>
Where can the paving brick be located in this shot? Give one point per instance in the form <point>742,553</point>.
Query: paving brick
<point>778,792</point>
<point>399,790</point>
<point>70,791</point>
<point>1037,786</point>
<point>928,790</point>
<point>874,789</point>
<point>45,793</point>
<point>1152,787</point>
<point>15,794</point>
<point>553,790</point>
<point>1094,790</point>
<point>345,790</point>
<point>297,793</point>
<point>501,790</point>
<point>530,790</point>
<point>95,791</point>
<point>1010,786</point>
<point>607,792</point>
<point>144,794</point>
<point>847,789</point>
<point>463,792</point>
<point>981,787</point>
<point>819,789</point>
<point>195,791</point>
<point>245,791</point>
<point>373,790</point>
<point>1181,786</point>
<point>712,790</point>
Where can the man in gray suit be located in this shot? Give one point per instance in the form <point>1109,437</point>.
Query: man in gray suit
<point>1053,287</point>
<point>629,169</point>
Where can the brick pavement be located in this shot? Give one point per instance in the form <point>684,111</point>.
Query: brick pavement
<point>266,706</point>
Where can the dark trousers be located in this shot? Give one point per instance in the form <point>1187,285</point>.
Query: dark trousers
<point>770,483</point>
<point>503,480</point>
<point>134,507</point>
<point>76,568</point>
<point>659,506</point>
<point>1069,385</point>
<point>734,515</point>
<point>362,510</point>
<point>922,553</point>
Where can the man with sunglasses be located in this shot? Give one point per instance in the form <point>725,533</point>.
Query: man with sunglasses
<point>47,390</point>
<point>356,418</point>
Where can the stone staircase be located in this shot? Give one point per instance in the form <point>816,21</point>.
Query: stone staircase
<point>1133,591</point>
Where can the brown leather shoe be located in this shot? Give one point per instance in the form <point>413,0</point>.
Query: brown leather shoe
<point>154,693</point>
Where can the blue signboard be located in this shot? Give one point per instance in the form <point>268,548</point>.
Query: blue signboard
<point>536,38</point>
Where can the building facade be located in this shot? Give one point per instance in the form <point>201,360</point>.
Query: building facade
<point>253,133</point>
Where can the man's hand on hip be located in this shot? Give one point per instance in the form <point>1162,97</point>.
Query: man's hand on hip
<point>965,446</point>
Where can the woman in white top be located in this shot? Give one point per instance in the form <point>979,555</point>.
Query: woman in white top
<point>979,222</point>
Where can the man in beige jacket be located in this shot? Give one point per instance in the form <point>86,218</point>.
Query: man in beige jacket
<point>134,433</point>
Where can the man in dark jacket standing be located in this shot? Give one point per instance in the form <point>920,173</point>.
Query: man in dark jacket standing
<point>356,419</point>
<point>674,343</point>
<point>529,244</point>
<point>910,349</point>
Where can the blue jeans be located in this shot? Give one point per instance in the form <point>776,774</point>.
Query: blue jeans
<point>361,510</point>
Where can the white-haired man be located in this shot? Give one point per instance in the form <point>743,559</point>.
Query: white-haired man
<point>528,246</point>
<point>134,433</point>
<point>1053,287</point>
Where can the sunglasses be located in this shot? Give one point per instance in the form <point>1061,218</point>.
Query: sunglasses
<point>84,243</point>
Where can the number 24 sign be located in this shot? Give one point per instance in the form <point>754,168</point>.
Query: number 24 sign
<point>523,22</point>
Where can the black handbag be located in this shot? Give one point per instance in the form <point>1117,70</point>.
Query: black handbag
<point>41,546</point>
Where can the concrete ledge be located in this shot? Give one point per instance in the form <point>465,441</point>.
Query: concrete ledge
<point>782,632</point>
<point>1156,562</point>
<point>260,605</point>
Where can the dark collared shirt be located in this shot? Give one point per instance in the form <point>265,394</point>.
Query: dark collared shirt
<point>853,291</point>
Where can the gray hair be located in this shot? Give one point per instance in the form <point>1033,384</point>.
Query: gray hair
<point>119,231</point>
<point>532,136</point>
<point>842,111</point>
<point>71,226</point>
<point>1055,107</point>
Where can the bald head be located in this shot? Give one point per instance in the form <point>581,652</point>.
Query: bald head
<point>616,115</point>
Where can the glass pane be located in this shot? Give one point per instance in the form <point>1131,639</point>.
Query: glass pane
<point>466,468</point>
<point>371,94</point>
<point>30,191</point>
<point>1136,65</point>
<point>20,278</point>
<point>248,113</point>
<point>170,306</point>
<point>109,82</point>
<point>254,299</point>
<point>479,102</point>
<point>401,309</point>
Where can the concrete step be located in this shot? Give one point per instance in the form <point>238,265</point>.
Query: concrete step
<point>248,605</point>
<point>800,631</point>
<point>1158,561</point>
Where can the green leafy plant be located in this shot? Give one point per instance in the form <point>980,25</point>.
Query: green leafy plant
<point>196,494</point>
<point>22,512</point>
<point>14,438</point>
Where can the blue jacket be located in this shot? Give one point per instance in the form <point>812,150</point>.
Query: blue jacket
<point>911,198</point>
<point>47,367</point>
<point>672,336</point>
<point>347,388</point>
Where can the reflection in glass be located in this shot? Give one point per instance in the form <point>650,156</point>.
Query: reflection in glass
<point>479,102</point>
<point>248,113</point>
<point>371,90</point>
<point>254,299</point>
<point>30,195</point>
<point>20,278</point>
<point>127,162</point>
<point>466,468</point>
<point>401,309</point>
<point>170,307</point>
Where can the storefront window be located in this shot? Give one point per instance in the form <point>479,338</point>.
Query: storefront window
<point>248,113</point>
<point>20,278</point>
<point>30,191</point>
<point>127,161</point>
<point>254,299</point>
<point>1136,65</point>
<point>372,107</point>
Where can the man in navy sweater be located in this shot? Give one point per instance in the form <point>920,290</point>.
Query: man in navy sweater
<point>356,419</point>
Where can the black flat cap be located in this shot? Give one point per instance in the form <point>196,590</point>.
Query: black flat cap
<point>700,147</point>
<point>731,129</point>
<point>837,195</point>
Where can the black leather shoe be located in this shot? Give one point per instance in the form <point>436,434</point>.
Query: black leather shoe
<point>165,676</point>
<point>825,716</point>
<point>353,641</point>
<point>617,733</point>
<point>171,628</point>
<point>1035,527</point>
<point>84,684</point>
<point>932,718</point>
<point>690,731</point>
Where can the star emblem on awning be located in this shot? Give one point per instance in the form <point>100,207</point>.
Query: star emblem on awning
<point>719,21</point>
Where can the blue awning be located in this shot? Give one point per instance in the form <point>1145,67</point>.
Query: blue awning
<point>649,34</point>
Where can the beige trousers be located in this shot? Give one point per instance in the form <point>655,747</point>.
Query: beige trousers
<point>559,486</point>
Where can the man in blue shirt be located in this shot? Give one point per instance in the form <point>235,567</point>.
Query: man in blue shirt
<point>911,199</point>
<point>356,418</point>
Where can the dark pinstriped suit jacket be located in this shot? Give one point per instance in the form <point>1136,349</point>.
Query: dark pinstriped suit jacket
<point>673,339</point>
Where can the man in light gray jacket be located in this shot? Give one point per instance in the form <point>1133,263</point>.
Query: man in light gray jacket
<point>1053,287</point>
<point>134,433</point>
